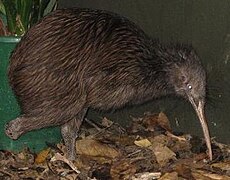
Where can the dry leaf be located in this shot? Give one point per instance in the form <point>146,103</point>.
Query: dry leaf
<point>199,174</point>
<point>163,153</point>
<point>151,121</point>
<point>22,155</point>
<point>92,147</point>
<point>122,169</point>
<point>184,171</point>
<point>124,140</point>
<point>143,143</point>
<point>106,122</point>
<point>181,146</point>
<point>83,163</point>
<point>224,166</point>
<point>59,157</point>
<point>200,157</point>
<point>160,139</point>
<point>164,121</point>
<point>99,160</point>
<point>136,127</point>
<point>170,176</point>
<point>146,176</point>
<point>41,157</point>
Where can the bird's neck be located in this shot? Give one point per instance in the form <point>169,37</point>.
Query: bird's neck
<point>160,68</point>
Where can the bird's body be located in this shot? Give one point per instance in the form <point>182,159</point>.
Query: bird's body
<point>75,59</point>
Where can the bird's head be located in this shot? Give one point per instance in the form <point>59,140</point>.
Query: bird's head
<point>188,78</point>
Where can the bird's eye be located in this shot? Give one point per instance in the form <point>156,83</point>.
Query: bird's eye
<point>189,86</point>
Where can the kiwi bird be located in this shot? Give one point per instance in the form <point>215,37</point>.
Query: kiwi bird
<point>75,59</point>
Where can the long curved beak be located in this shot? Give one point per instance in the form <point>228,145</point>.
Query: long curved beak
<point>199,108</point>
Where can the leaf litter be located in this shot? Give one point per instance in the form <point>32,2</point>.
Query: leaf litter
<point>147,150</point>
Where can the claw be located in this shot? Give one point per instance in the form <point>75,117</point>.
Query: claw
<point>13,129</point>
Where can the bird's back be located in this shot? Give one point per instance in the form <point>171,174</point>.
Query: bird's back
<point>74,51</point>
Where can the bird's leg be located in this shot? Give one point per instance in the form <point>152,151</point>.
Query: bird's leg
<point>23,124</point>
<point>69,133</point>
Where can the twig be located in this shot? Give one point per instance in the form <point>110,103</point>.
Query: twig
<point>100,131</point>
<point>7,173</point>
<point>222,146</point>
<point>179,138</point>
<point>52,171</point>
<point>42,173</point>
<point>59,157</point>
<point>133,153</point>
<point>92,124</point>
<point>147,175</point>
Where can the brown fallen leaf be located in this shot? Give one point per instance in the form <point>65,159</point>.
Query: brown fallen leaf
<point>83,163</point>
<point>106,122</point>
<point>143,143</point>
<point>200,156</point>
<point>41,156</point>
<point>224,166</point>
<point>124,140</point>
<point>99,160</point>
<point>136,126</point>
<point>146,176</point>
<point>151,121</point>
<point>177,146</point>
<point>200,174</point>
<point>170,176</point>
<point>118,140</point>
<point>59,157</point>
<point>90,147</point>
<point>161,139</point>
<point>164,122</point>
<point>24,158</point>
<point>101,172</point>
<point>162,153</point>
<point>122,169</point>
<point>184,171</point>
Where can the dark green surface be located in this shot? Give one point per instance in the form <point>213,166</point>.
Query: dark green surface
<point>9,109</point>
<point>205,24</point>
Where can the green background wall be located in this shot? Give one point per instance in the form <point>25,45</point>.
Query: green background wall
<point>205,24</point>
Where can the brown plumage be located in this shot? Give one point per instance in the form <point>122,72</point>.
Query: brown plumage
<point>75,59</point>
